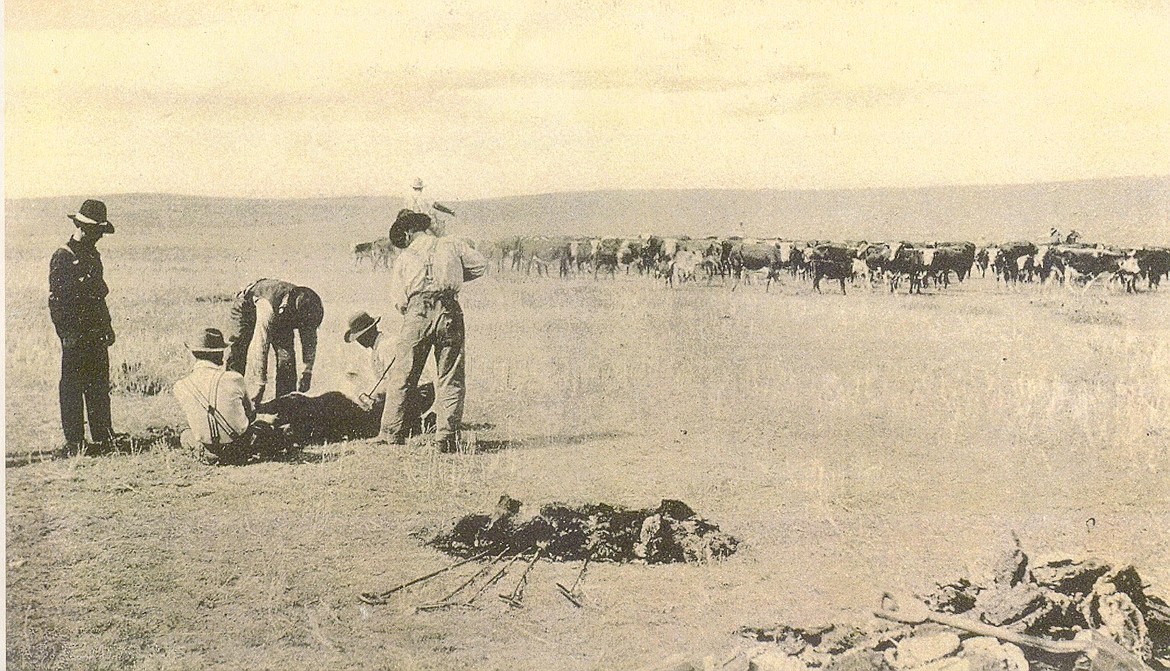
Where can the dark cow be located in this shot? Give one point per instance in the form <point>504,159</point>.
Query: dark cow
<point>1086,264</point>
<point>832,261</point>
<point>1006,261</point>
<point>608,255</point>
<point>1154,263</point>
<point>956,257</point>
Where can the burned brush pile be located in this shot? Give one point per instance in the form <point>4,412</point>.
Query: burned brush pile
<point>1055,601</point>
<point>672,532</point>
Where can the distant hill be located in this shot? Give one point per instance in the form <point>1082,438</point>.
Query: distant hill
<point>1124,211</point>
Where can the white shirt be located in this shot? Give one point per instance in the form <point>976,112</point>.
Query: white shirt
<point>223,390</point>
<point>432,264</point>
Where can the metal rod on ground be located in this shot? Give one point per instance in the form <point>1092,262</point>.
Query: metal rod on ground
<point>499,574</point>
<point>378,599</point>
<point>445,602</point>
<point>514,599</point>
<point>570,593</point>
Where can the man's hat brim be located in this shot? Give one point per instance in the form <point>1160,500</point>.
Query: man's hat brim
<point>79,218</point>
<point>351,335</point>
<point>206,350</point>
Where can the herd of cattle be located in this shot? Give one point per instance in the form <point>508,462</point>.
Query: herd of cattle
<point>915,265</point>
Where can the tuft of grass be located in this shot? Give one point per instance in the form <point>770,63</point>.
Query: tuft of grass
<point>133,378</point>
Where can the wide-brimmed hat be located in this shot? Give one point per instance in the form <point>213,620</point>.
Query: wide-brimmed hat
<point>418,184</point>
<point>206,340</point>
<point>93,212</point>
<point>407,222</point>
<point>359,323</point>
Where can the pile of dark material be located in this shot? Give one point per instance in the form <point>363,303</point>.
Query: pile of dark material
<point>672,532</point>
<point>1053,601</point>
<point>1060,598</point>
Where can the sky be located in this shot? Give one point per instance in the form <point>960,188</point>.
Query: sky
<point>499,98</point>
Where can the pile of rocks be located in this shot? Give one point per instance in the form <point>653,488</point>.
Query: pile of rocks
<point>1055,601</point>
<point>672,532</point>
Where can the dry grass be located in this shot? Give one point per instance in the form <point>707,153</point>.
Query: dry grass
<point>855,443</point>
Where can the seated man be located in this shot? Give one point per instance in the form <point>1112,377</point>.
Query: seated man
<point>219,412</point>
<point>363,329</point>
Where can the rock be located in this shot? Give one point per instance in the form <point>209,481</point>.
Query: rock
<point>1010,568</point>
<point>917,651</point>
<point>958,597</point>
<point>1007,605</point>
<point>1113,613</point>
<point>857,660</point>
<point>984,653</point>
<point>774,660</point>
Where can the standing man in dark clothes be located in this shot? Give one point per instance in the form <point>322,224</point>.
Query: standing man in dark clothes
<point>77,305</point>
<point>265,313</point>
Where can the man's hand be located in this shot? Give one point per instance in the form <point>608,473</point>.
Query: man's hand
<point>258,397</point>
<point>70,340</point>
<point>306,380</point>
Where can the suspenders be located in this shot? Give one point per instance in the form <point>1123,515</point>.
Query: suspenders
<point>215,418</point>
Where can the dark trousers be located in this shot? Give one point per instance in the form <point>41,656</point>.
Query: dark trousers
<point>84,389</point>
<point>430,322</point>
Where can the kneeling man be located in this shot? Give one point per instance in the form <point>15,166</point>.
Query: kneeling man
<point>363,330</point>
<point>219,413</point>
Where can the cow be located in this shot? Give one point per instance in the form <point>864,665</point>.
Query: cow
<point>1086,264</point>
<point>542,253</point>
<point>956,257</point>
<point>379,253</point>
<point>607,256</point>
<point>832,261</point>
<point>892,262</point>
<point>510,252</point>
<point>1006,260</point>
<point>580,253</point>
<point>750,256</point>
<point>683,267</point>
<point>1128,271</point>
<point>1154,263</point>
<point>363,251</point>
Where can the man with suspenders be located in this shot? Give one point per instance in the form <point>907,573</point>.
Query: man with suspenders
<point>424,286</point>
<point>219,412</point>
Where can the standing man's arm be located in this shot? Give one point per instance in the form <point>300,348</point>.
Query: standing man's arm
<point>309,353</point>
<point>62,298</point>
<point>474,263</point>
<point>258,350</point>
<point>398,288</point>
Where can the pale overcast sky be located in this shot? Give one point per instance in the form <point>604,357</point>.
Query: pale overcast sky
<point>500,98</point>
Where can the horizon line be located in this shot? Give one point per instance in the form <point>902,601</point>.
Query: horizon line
<point>919,187</point>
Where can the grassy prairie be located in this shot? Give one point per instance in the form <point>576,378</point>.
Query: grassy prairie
<point>855,443</point>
